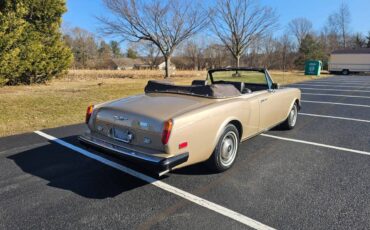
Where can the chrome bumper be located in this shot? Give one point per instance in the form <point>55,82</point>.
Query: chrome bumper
<point>161,165</point>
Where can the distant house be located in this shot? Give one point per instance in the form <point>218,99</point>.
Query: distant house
<point>142,66</point>
<point>162,66</point>
<point>127,63</point>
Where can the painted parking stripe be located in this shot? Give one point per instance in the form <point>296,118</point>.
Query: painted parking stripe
<point>341,81</point>
<point>338,83</point>
<point>336,103</point>
<point>343,90</point>
<point>335,86</point>
<point>169,188</point>
<point>334,117</point>
<point>317,144</point>
<point>334,95</point>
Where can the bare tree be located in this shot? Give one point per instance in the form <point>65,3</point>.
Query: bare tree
<point>285,48</point>
<point>238,22</point>
<point>194,53</point>
<point>300,28</point>
<point>214,55</point>
<point>151,53</point>
<point>339,23</point>
<point>165,23</point>
<point>83,45</point>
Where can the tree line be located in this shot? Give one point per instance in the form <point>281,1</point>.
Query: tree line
<point>188,34</point>
<point>241,29</point>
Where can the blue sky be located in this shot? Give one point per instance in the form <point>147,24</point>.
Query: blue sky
<point>81,12</point>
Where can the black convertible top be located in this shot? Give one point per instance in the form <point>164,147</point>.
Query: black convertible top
<point>211,91</point>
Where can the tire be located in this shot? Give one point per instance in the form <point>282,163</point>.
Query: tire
<point>291,120</point>
<point>345,72</point>
<point>226,150</point>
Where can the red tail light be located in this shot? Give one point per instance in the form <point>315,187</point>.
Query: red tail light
<point>166,131</point>
<point>89,111</point>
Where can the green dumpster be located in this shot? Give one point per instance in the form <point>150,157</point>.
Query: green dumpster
<point>313,67</point>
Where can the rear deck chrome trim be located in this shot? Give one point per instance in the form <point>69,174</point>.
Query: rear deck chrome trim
<point>119,149</point>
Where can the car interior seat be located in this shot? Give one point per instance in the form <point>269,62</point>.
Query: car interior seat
<point>238,85</point>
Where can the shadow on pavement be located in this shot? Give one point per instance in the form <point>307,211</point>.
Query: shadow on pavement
<point>65,169</point>
<point>197,169</point>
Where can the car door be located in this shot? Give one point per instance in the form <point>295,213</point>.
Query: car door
<point>270,113</point>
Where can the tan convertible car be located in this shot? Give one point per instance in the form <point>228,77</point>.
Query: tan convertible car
<point>172,126</point>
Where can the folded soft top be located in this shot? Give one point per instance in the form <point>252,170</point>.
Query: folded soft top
<point>212,91</point>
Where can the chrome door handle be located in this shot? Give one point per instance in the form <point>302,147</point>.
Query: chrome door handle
<point>263,100</point>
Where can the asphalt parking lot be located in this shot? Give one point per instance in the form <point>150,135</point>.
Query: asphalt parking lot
<point>316,176</point>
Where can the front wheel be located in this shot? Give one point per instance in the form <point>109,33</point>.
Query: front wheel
<point>291,121</point>
<point>226,150</point>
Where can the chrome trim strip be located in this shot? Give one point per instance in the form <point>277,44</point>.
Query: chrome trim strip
<point>121,150</point>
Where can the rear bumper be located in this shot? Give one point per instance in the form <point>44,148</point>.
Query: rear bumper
<point>161,165</point>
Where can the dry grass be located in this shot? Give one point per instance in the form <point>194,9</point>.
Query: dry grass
<point>63,101</point>
<point>134,74</point>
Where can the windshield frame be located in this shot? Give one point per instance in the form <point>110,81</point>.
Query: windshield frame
<point>268,79</point>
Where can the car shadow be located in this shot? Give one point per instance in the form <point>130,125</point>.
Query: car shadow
<point>65,169</point>
<point>197,169</point>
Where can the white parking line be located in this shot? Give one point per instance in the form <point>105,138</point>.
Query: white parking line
<point>342,81</point>
<point>317,144</point>
<point>337,83</point>
<point>343,90</point>
<point>334,95</point>
<point>169,188</point>
<point>336,103</point>
<point>335,86</point>
<point>334,117</point>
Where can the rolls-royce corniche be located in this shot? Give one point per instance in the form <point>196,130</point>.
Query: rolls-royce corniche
<point>171,126</point>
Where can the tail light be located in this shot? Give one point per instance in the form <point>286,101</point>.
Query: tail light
<point>166,131</point>
<point>89,111</point>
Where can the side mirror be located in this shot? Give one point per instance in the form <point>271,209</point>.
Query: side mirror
<point>275,86</point>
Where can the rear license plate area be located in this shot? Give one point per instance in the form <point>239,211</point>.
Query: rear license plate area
<point>122,135</point>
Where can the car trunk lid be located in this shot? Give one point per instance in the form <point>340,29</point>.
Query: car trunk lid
<point>139,120</point>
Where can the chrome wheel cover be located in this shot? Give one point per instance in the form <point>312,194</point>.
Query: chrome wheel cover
<point>293,116</point>
<point>229,148</point>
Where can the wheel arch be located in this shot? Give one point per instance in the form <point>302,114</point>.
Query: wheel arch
<point>238,126</point>
<point>298,102</point>
<point>234,121</point>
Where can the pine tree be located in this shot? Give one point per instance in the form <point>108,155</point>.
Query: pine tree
<point>116,50</point>
<point>12,28</point>
<point>310,49</point>
<point>131,53</point>
<point>359,42</point>
<point>32,49</point>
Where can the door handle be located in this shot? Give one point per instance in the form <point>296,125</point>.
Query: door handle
<point>263,100</point>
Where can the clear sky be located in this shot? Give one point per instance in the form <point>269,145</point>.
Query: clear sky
<point>81,12</point>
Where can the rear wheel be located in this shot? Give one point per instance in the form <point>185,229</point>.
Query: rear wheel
<point>226,150</point>
<point>345,72</point>
<point>291,120</point>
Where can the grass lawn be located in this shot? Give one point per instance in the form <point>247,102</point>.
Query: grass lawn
<point>63,101</point>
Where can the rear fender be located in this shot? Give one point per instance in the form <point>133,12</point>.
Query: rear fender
<point>221,130</point>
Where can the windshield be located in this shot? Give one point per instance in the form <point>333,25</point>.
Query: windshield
<point>246,76</point>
